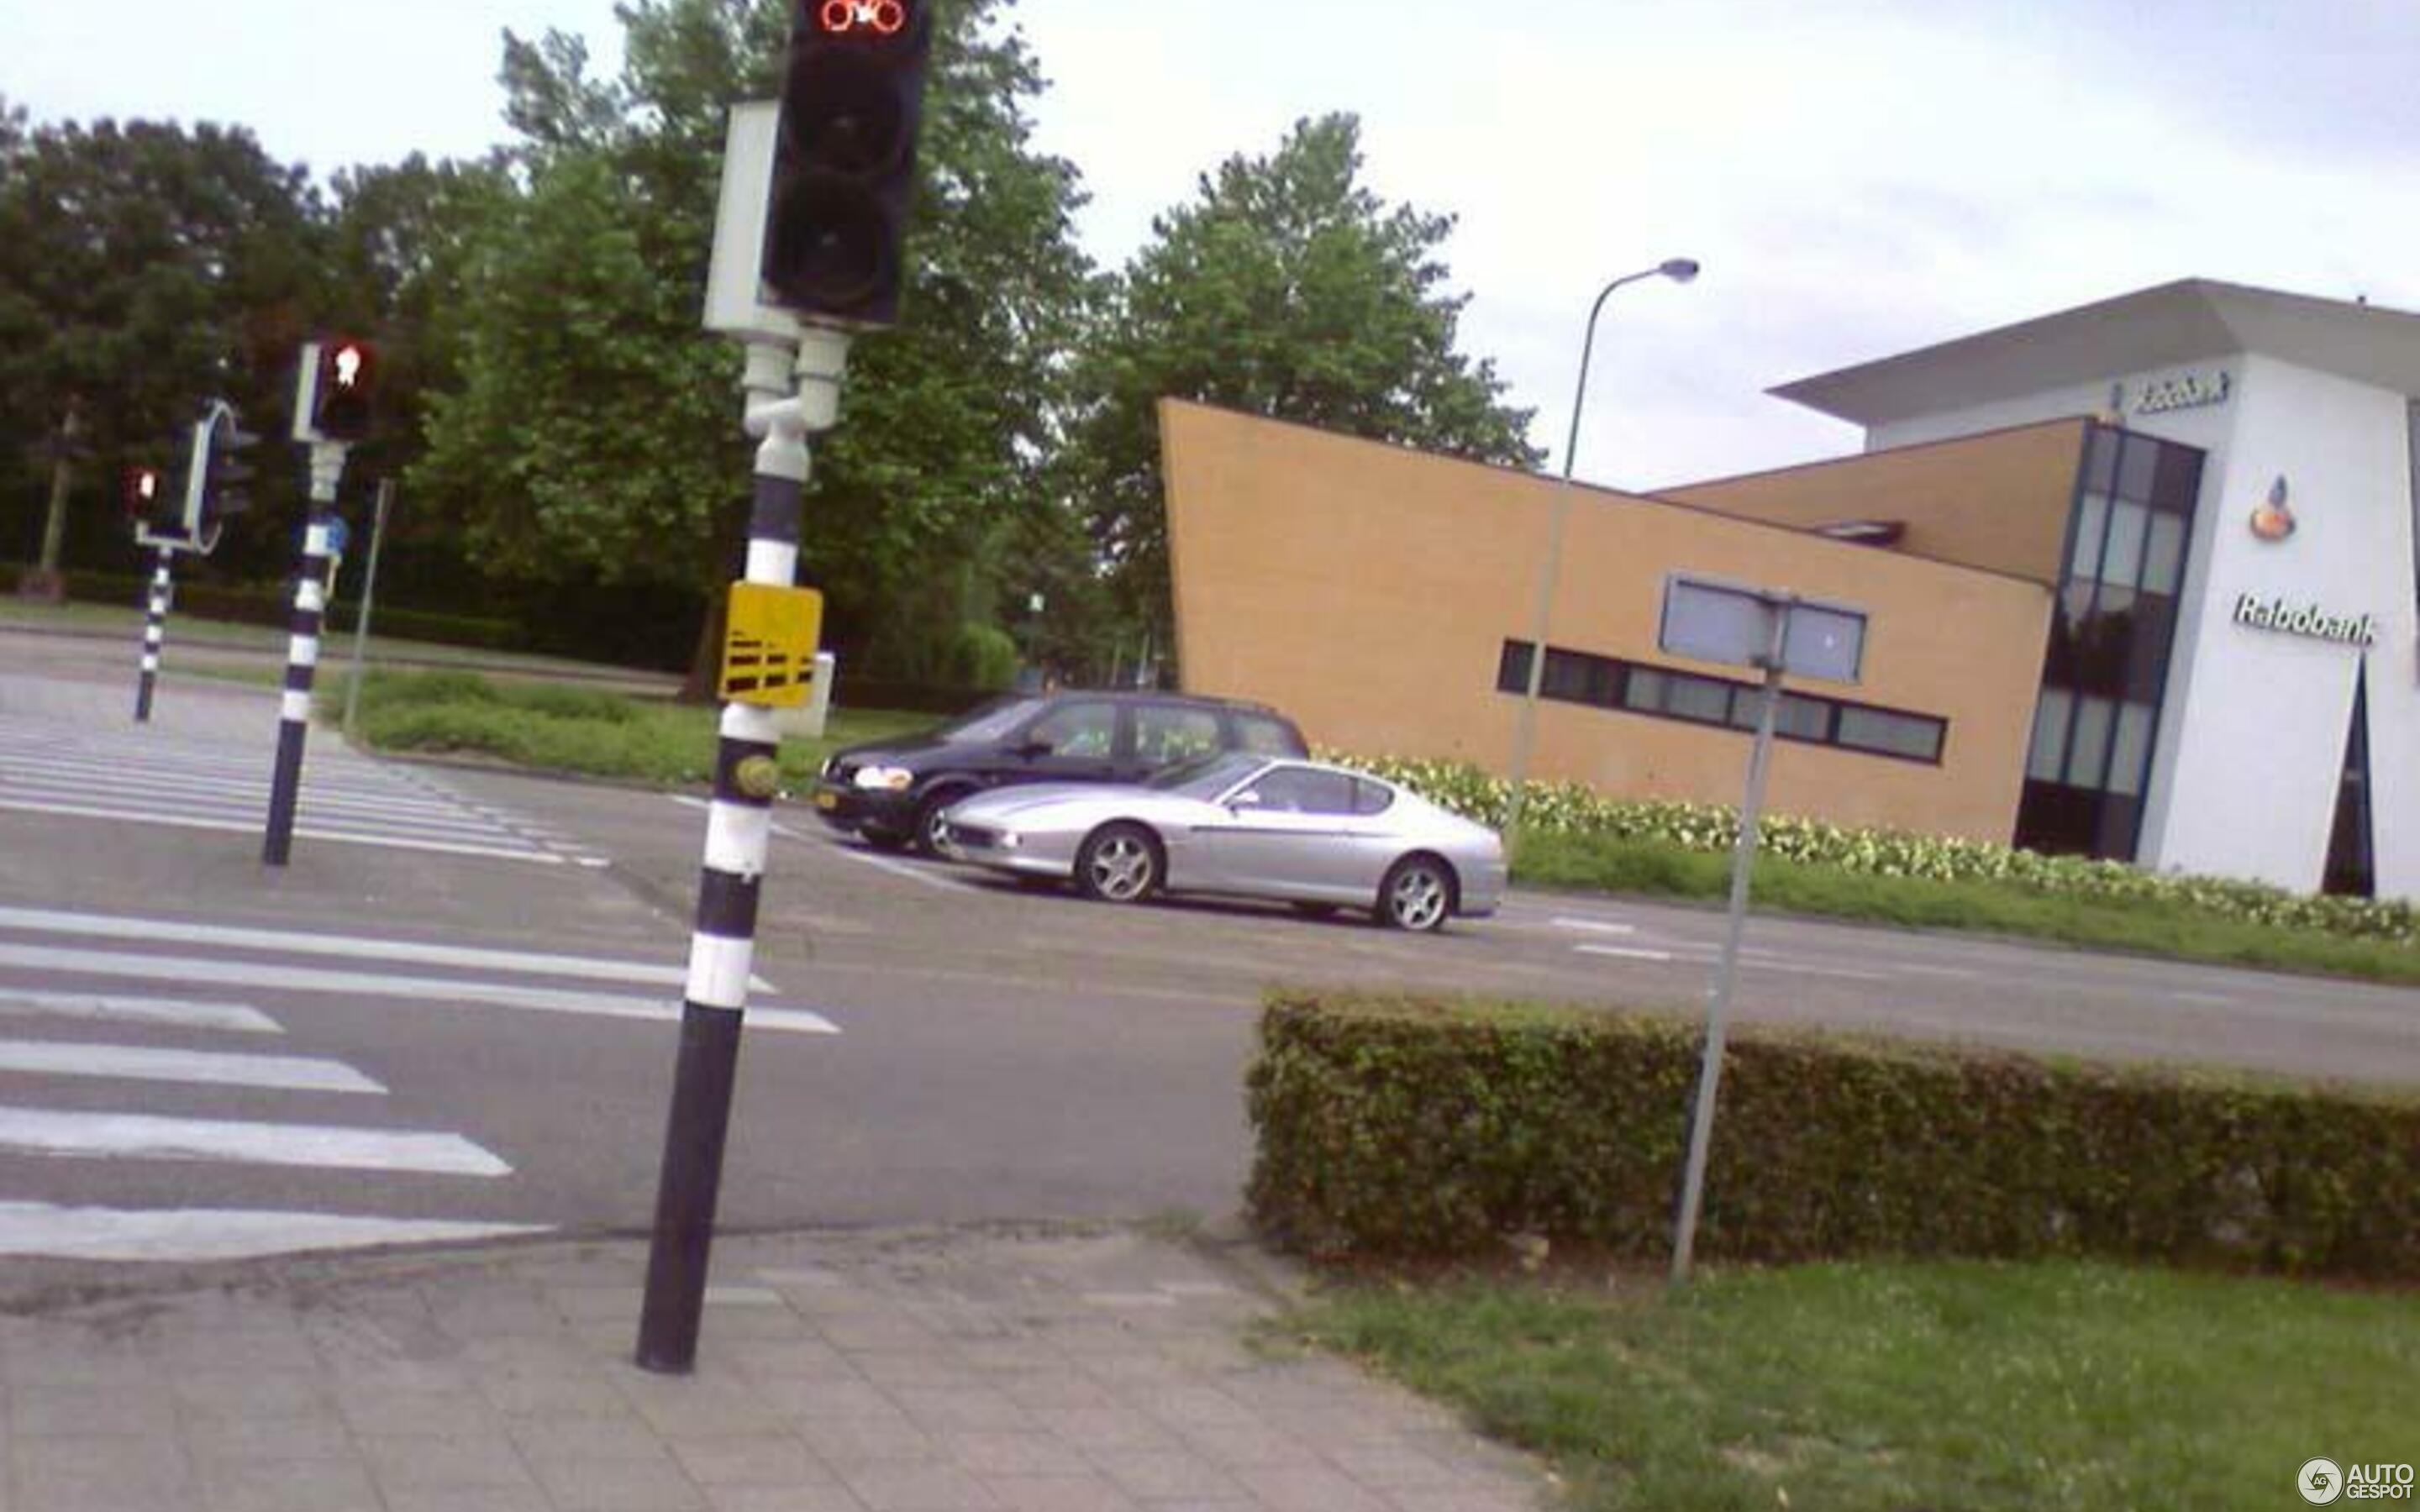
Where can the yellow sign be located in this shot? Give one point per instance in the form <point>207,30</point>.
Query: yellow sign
<point>768,643</point>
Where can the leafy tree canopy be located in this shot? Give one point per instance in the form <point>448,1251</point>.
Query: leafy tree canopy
<point>1288,289</point>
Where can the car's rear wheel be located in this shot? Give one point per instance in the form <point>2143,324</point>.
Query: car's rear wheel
<point>1417,894</point>
<point>1118,864</point>
<point>928,836</point>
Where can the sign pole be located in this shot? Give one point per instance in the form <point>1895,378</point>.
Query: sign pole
<point>303,653</point>
<point>155,630</point>
<point>1710,1071</point>
<point>722,943</point>
<point>361,619</point>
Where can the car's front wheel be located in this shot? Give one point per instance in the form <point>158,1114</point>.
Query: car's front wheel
<point>1118,864</point>
<point>1417,894</point>
<point>928,836</point>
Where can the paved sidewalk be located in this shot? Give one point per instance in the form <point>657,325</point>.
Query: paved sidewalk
<point>898,1372</point>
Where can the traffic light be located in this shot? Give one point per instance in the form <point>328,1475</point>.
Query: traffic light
<point>845,157</point>
<point>341,395</point>
<point>148,502</point>
<point>226,484</point>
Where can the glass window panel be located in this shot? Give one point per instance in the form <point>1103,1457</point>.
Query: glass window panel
<point>1165,734</point>
<point>1566,675</point>
<point>1644,690</point>
<point>1372,798</point>
<point>2163,554</point>
<point>2100,460</point>
<point>1803,718</point>
<point>2050,735</point>
<point>1077,729</point>
<point>1301,790</point>
<point>1512,671</point>
<point>2179,480</point>
<point>1697,697</point>
<point>2123,561</point>
<point>2138,464</point>
<point>2088,756</point>
<point>2091,518</point>
<point>1747,705</point>
<point>1896,734</point>
<point>1265,736</point>
<point>2130,750</point>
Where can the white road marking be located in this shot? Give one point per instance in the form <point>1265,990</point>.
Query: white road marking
<point>293,1073</point>
<point>446,991</point>
<point>1624,953</point>
<point>903,869</point>
<point>351,946</point>
<point>190,1234</point>
<point>1597,926</point>
<point>136,1135</point>
<point>1801,969</point>
<point>231,1018</point>
<point>78,811</point>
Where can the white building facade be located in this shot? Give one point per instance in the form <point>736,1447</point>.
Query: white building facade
<point>2269,726</point>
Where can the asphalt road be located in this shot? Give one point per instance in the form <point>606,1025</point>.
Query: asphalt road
<point>999,1054</point>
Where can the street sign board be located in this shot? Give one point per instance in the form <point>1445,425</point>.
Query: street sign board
<point>769,645</point>
<point>1707,620</point>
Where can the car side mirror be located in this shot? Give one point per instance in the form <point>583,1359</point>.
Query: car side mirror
<point>1248,799</point>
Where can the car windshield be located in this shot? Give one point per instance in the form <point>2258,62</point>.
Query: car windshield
<point>987,721</point>
<point>1207,776</point>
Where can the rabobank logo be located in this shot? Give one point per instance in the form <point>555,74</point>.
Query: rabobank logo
<point>2322,1481</point>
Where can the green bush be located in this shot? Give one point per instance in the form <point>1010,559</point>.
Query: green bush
<point>1424,1126</point>
<point>1572,808</point>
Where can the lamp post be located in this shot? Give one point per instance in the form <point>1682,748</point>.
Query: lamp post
<point>1680,271</point>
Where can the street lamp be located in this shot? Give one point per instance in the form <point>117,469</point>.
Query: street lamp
<point>1680,271</point>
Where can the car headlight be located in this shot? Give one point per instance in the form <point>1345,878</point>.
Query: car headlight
<point>897,778</point>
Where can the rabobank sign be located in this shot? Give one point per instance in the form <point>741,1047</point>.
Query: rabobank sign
<point>2305,619</point>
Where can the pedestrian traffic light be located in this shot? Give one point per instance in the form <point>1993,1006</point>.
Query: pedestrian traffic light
<point>845,157</point>
<point>346,381</point>
<point>146,497</point>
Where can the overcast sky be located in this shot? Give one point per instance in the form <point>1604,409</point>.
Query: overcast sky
<point>1859,179</point>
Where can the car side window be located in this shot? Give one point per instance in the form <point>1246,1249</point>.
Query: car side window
<point>1263,736</point>
<point>1302,790</point>
<point>1170,732</point>
<point>1077,729</point>
<point>1372,798</point>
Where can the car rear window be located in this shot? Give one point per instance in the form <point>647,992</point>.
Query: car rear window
<point>1267,735</point>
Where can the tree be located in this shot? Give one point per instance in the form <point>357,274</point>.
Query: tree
<point>143,270</point>
<point>1287,289</point>
<point>593,428</point>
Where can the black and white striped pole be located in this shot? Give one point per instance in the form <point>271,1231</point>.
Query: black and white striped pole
<point>302,652</point>
<point>789,400</point>
<point>155,632</point>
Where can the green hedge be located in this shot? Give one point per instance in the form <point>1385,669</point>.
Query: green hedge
<point>1574,808</point>
<point>1422,1126</point>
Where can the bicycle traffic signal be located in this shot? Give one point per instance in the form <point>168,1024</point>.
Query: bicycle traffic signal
<point>343,389</point>
<point>845,157</point>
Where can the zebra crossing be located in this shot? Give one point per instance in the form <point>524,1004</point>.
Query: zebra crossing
<point>154,1046</point>
<point>188,781</point>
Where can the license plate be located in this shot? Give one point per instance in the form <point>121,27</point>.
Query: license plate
<point>826,800</point>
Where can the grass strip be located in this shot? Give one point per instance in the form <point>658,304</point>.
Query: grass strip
<point>1890,1387</point>
<point>564,729</point>
<point>1600,864</point>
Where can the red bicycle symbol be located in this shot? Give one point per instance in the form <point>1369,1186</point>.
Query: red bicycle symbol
<point>845,18</point>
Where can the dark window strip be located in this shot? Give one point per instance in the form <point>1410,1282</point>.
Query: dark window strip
<point>1721,702</point>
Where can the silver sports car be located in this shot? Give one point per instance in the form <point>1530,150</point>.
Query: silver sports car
<point>1318,837</point>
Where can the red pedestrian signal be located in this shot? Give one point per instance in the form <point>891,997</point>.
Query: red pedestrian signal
<point>347,379</point>
<point>862,18</point>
